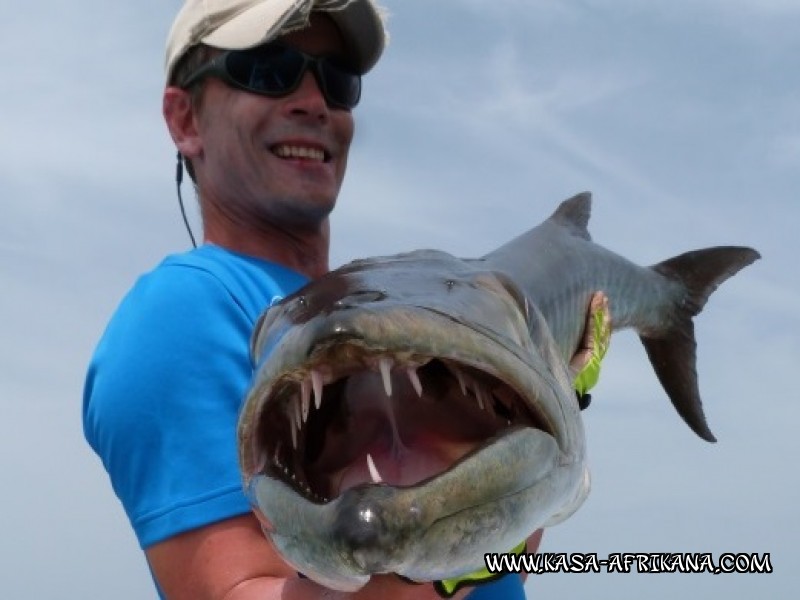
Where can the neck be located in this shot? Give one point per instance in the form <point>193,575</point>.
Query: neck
<point>302,250</point>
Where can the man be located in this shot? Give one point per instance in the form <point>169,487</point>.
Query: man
<point>264,129</point>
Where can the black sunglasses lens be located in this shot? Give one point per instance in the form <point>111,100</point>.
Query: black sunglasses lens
<point>272,70</point>
<point>341,87</point>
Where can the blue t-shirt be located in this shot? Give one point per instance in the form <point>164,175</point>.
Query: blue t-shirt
<point>165,386</point>
<point>166,382</point>
<point>508,588</point>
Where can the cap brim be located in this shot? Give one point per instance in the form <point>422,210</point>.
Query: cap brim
<point>360,23</point>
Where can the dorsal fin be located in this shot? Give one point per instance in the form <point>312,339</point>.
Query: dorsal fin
<point>573,214</point>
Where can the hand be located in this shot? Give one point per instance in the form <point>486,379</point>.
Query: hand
<point>585,364</point>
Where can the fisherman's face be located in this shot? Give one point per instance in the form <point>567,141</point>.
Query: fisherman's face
<point>279,160</point>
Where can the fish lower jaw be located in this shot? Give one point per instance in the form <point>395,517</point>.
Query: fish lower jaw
<point>434,530</point>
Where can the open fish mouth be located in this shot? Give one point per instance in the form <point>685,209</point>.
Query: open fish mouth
<point>391,439</point>
<point>355,415</point>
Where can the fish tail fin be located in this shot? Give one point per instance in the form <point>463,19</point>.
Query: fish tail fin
<point>672,352</point>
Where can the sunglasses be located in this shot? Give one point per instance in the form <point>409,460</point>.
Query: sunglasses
<point>275,70</point>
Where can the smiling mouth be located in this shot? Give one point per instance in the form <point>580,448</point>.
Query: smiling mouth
<point>306,153</point>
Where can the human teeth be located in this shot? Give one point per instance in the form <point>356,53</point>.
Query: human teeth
<point>316,382</point>
<point>412,375</point>
<point>286,151</point>
<point>373,470</point>
<point>385,365</point>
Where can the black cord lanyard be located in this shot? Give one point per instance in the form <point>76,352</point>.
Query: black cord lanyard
<point>178,181</point>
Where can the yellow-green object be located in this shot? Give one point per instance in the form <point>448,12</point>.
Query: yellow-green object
<point>447,587</point>
<point>601,336</point>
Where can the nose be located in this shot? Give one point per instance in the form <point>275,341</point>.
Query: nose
<point>308,101</point>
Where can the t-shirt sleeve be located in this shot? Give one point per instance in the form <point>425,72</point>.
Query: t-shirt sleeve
<point>508,587</point>
<point>162,398</point>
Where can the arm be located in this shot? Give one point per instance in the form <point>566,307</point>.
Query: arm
<point>232,560</point>
<point>227,560</point>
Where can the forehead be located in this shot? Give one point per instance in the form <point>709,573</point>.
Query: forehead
<point>321,37</point>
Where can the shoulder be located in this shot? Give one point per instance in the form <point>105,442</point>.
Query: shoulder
<point>192,310</point>
<point>196,296</point>
<point>211,273</point>
<point>180,334</point>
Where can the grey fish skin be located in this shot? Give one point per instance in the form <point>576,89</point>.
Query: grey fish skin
<point>488,341</point>
<point>658,302</point>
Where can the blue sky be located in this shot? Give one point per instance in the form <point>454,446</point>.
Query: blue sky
<point>683,118</point>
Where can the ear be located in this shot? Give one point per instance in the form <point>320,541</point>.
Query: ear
<point>180,117</point>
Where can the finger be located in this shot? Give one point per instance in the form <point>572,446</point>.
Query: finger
<point>580,359</point>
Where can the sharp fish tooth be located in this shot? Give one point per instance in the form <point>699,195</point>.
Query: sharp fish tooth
<point>261,463</point>
<point>385,365</point>
<point>373,470</point>
<point>293,427</point>
<point>298,411</point>
<point>305,398</point>
<point>460,376</point>
<point>479,395</point>
<point>412,375</point>
<point>316,382</point>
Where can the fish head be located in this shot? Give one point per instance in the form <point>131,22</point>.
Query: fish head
<point>408,415</point>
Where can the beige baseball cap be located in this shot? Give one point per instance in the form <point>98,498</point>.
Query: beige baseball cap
<point>241,24</point>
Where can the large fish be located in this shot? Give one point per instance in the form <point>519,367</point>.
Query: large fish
<point>413,412</point>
